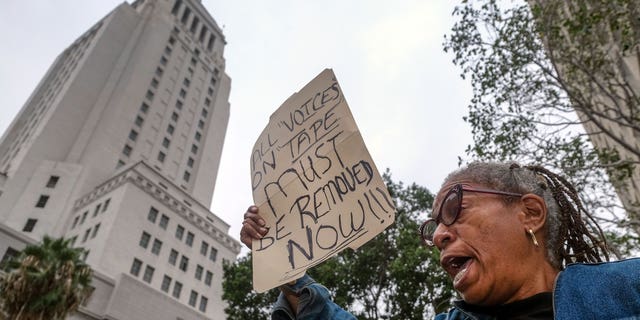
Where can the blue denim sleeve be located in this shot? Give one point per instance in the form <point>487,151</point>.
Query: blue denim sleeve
<point>314,303</point>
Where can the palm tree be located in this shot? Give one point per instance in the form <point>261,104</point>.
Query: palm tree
<point>45,281</point>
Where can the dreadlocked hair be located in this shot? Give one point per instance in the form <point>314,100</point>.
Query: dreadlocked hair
<point>572,234</point>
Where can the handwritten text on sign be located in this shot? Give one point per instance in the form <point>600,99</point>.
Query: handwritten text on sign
<point>315,184</point>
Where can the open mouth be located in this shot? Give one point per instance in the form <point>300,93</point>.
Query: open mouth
<point>456,267</point>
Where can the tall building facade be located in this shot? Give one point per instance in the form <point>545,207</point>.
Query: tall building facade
<point>118,148</point>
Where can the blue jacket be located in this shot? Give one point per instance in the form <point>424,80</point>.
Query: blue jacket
<point>609,290</point>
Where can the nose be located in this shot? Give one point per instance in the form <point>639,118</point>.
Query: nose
<point>443,236</point>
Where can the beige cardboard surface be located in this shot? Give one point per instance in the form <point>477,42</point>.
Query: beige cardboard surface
<point>315,184</point>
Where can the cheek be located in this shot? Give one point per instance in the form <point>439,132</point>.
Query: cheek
<point>498,235</point>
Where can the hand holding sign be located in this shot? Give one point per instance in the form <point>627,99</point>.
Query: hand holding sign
<point>315,185</point>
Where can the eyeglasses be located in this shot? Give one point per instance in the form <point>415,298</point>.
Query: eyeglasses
<point>450,209</point>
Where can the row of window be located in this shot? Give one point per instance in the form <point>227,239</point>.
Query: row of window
<point>195,24</point>
<point>175,115</point>
<point>181,234</point>
<point>80,219</point>
<point>147,276</point>
<point>41,203</point>
<point>92,231</point>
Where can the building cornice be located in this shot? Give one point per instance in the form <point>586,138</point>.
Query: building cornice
<point>142,175</point>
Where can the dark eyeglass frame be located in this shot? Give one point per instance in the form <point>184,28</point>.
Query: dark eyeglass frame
<point>427,229</point>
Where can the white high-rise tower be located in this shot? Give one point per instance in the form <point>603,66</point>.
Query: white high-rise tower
<point>118,148</point>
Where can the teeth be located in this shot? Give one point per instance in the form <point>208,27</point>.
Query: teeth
<point>459,275</point>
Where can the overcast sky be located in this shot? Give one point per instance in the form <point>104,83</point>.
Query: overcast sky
<point>403,90</point>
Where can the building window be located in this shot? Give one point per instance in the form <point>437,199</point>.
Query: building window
<point>208,277</point>
<point>179,232</point>
<point>189,239</point>
<point>73,240</point>
<point>86,235</point>
<point>148,274</point>
<point>203,304</point>
<point>204,247</point>
<point>75,222</point>
<point>97,209</point>
<point>190,162</point>
<point>161,156</point>
<point>213,254</point>
<point>154,83</point>
<point>185,15</point>
<point>144,107</point>
<point>174,116</point>
<point>200,124</point>
<point>31,223</point>
<point>139,120</point>
<point>144,239</point>
<point>194,25</point>
<point>170,129</point>
<point>119,164</point>
<point>186,176</point>
<point>157,245</point>
<point>53,180</point>
<point>95,231</point>
<point>126,150</point>
<point>193,298</point>
<point>106,205</point>
<point>167,50</point>
<point>194,61</point>
<point>159,72</point>
<point>186,82</point>
<point>179,104</point>
<point>84,217</point>
<point>177,287</point>
<point>173,257</point>
<point>207,102</point>
<point>190,70</point>
<point>212,39</point>
<point>133,135</point>
<point>164,222</point>
<point>149,95</point>
<point>198,135</point>
<point>205,113</point>
<point>176,7</point>
<point>213,81</point>
<point>8,255</point>
<point>172,40</point>
<point>203,33</point>
<point>166,142</point>
<point>210,91</point>
<point>163,61</point>
<point>183,93</point>
<point>199,271</point>
<point>184,263</point>
<point>42,201</point>
<point>194,149</point>
<point>166,283</point>
<point>135,267</point>
<point>152,215</point>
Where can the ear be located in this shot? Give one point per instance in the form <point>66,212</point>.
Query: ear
<point>534,212</point>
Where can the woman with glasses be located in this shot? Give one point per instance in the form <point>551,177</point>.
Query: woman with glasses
<point>517,243</point>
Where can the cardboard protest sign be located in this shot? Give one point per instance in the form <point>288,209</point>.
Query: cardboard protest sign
<point>315,185</point>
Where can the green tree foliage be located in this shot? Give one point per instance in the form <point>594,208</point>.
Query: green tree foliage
<point>540,71</point>
<point>45,281</point>
<point>392,276</point>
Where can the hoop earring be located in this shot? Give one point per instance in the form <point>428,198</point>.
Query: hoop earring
<point>533,237</point>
